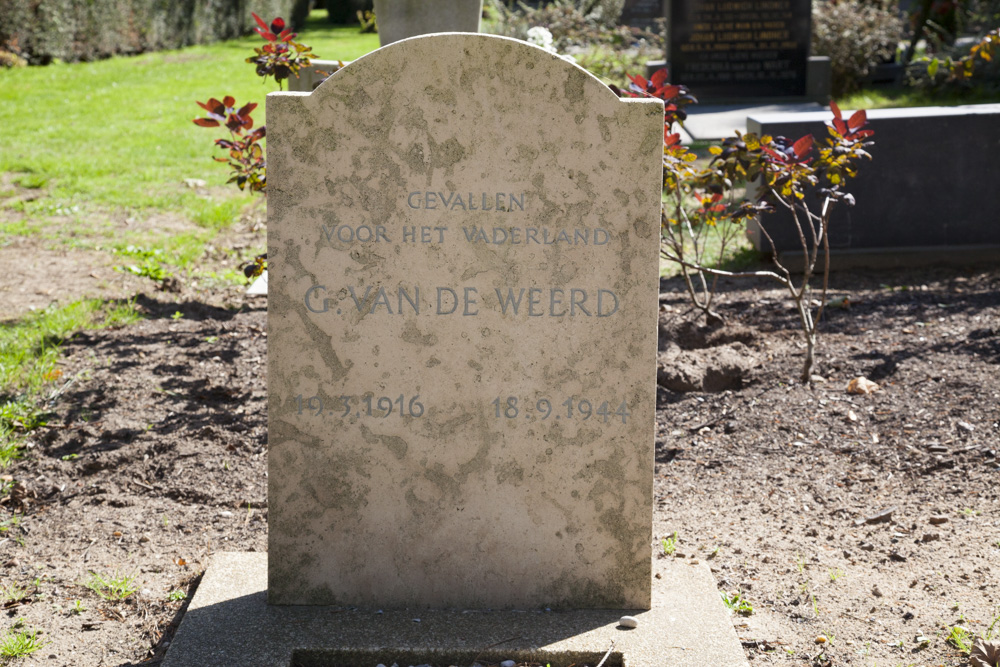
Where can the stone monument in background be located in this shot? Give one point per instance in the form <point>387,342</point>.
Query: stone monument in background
<point>728,50</point>
<point>643,14</point>
<point>399,19</point>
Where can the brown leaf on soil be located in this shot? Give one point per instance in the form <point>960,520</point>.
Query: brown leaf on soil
<point>862,385</point>
<point>985,654</point>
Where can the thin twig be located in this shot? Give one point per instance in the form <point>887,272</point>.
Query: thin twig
<point>720,272</point>
<point>495,644</point>
<point>606,655</point>
<point>84,555</point>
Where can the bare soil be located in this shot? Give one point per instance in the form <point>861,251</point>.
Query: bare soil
<point>867,523</point>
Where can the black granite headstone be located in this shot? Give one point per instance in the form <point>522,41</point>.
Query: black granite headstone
<point>904,199</point>
<point>732,49</point>
<point>642,14</point>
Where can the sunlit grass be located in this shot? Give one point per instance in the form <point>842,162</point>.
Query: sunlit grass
<point>117,133</point>
<point>29,352</point>
<point>898,98</point>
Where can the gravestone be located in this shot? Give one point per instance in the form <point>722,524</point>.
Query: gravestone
<point>463,233</point>
<point>739,49</point>
<point>399,19</point>
<point>643,14</point>
<point>910,211</point>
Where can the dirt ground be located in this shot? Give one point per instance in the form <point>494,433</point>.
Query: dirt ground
<point>861,528</point>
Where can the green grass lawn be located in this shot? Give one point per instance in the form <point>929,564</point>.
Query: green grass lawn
<point>111,139</point>
<point>896,98</point>
<point>117,134</point>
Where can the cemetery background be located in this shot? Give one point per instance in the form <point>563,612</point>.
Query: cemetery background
<point>154,456</point>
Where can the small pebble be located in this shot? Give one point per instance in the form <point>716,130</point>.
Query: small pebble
<point>821,639</point>
<point>628,622</point>
<point>225,513</point>
<point>938,520</point>
<point>507,663</point>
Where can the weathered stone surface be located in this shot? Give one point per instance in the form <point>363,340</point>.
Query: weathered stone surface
<point>462,229</point>
<point>399,19</point>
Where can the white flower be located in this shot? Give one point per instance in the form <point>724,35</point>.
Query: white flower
<point>540,36</point>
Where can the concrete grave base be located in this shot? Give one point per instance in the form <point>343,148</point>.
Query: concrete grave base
<point>230,623</point>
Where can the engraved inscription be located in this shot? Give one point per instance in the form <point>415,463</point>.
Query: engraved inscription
<point>500,202</point>
<point>529,301</point>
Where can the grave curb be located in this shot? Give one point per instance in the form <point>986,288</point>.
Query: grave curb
<point>229,623</point>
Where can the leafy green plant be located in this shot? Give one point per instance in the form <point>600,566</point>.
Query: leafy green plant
<point>112,587</point>
<point>993,626</point>
<point>963,68</point>
<point>368,22</point>
<point>670,544</point>
<point>781,173</point>
<point>177,595</point>
<point>281,56</point>
<point>836,573</point>
<point>736,602</point>
<point>245,153</point>
<point>13,592</point>
<point>78,607</point>
<point>20,643</point>
<point>150,262</point>
<point>961,638</point>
